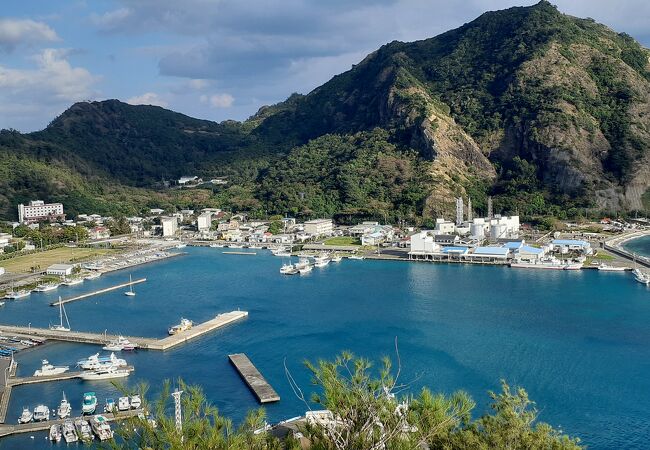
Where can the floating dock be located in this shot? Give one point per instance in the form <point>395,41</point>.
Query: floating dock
<point>18,381</point>
<point>144,343</point>
<point>101,291</point>
<point>6,430</point>
<point>253,378</point>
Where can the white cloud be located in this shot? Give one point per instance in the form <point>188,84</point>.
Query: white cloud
<point>148,98</point>
<point>110,19</point>
<point>17,32</point>
<point>217,100</point>
<point>199,84</point>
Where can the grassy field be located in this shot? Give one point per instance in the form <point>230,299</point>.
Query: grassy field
<point>49,257</point>
<point>342,240</point>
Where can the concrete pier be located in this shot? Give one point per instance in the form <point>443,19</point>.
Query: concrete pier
<point>253,378</point>
<point>18,381</point>
<point>8,370</point>
<point>6,430</point>
<point>101,291</point>
<point>240,253</point>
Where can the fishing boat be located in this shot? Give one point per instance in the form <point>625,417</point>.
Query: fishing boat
<point>185,324</point>
<point>73,281</point>
<point>16,295</point>
<point>321,260</point>
<point>550,263</point>
<point>83,429</point>
<point>288,269</point>
<point>130,292</point>
<point>69,433</point>
<point>302,262</point>
<point>605,268</point>
<point>62,313</point>
<point>123,404</point>
<point>89,403</point>
<point>107,373</point>
<point>26,416</point>
<point>109,406</point>
<point>641,277</point>
<point>41,413</point>
<point>48,369</point>
<point>55,433</point>
<point>281,251</point>
<point>119,344</point>
<point>64,409</point>
<point>47,287</point>
<point>136,402</point>
<point>337,258</point>
<point>305,269</point>
<point>101,428</point>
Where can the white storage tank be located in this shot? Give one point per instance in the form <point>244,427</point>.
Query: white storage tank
<point>498,231</point>
<point>477,230</point>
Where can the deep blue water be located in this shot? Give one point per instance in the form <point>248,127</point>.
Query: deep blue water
<point>578,341</point>
<point>640,246</point>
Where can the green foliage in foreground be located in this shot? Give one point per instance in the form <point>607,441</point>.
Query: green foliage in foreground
<point>369,411</point>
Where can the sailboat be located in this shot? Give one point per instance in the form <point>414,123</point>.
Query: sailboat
<point>60,326</point>
<point>130,292</point>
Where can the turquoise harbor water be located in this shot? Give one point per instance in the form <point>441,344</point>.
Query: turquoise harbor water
<point>640,246</point>
<point>578,341</point>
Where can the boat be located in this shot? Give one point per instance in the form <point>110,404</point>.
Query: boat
<point>573,266</point>
<point>26,416</point>
<point>321,260</point>
<point>216,245</point>
<point>355,257</point>
<point>89,403</point>
<point>288,269</point>
<point>69,433</point>
<point>41,413</point>
<point>185,324</point>
<point>302,262</point>
<point>136,402</point>
<point>60,326</point>
<point>130,292</point>
<point>107,373</point>
<point>123,404</point>
<point>48,369</point>
<point>550,263</point>
<point>101,428</point>
<point>55,433</point>
<point>64,409</point>
<point>16,295</point>
<point>109,406</point>
<point>181,245</point>
<point>641,277</point>
<point>606,268</point>
<point>73,281</point>
<point>281,251</point>
<point>305,269</point>
<point>119,344</point>
<point>337,258</point>
<point>95,362</point>
<point>47,287</point>
<point>93,276</point>
<point>83,429</point>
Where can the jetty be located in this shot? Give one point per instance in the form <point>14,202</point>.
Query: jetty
<point>141,342</point>
<point>6,430</point>
<point>8,368</point>
<point>101,291</point>
<point>253,378</point>
<point>240,253</point>
<point>18,381</point>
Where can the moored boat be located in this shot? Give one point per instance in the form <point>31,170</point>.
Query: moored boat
<point>64,409</point>
<point>46,287</point>
<point>305,269</point>
<point>185,324</point>
<point>16,295</point>
<point>48,369</point>
<point>55,433</point>
<point>101,428</point>
<point>641,277</point>
<point>26,416</point>
<point>337,258</point>
<point>109,406</point>
<point>288,269</point>
<point>123,404</point>
<point>62,314</point>
<point>69,433</point>
<point>606,268</point>
<point>83,429</point>
<point>119,344</point>
<point>89,403</point>
<point>41,413</point>
<point>136,402</point>
<point>73,281</point>
<point>108,373</point>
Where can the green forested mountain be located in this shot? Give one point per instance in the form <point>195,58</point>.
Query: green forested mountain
<point>546,112</point>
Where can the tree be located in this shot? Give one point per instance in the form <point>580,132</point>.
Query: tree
<point>119,226</point>
<point>276,227</point>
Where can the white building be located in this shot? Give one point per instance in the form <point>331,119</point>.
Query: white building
<point>423,243</point>
<point>444,226</point>
<point>169,226</point>
<point>319,227</point>
<point>204,221</point>
<point>38,210</point>
<point>504,227</point>
<point>185,180</point>
<point>5,239</point>
<point>62,270</point>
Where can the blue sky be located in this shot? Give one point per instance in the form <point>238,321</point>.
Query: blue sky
<point>218,59</point>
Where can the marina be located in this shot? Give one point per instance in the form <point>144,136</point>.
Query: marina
<point>253,378</point>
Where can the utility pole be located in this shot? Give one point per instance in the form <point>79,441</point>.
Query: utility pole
<point>177,410</point>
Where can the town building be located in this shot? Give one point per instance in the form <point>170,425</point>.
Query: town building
<point>444,226</point>
<point>188,179</point>
<point>204,221</point>
<point>99,233</point>
<point>156,211</point>
<point>319,227</point>
<point>38,210</point>
<point>169,226</point>
<point>62,270</point>
<point>423,244</point>
<point>571,245</point>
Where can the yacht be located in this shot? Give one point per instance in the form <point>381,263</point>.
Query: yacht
<point>26,416</point>
<point>55,433</point>
<point>288,269</point>
<point>62,313</point>
<point>107,373</point>
<point>109,406</point>
<point>89,403</point>
<point>185,324</point>
<point>605,268</point>
<point>130,292</point>
<point>41,413</point>
<point>123,404</point>
<point>119,344</point>
<point>136,402</point>
<point>101,428</point>
<point>83,429</point>
<point>47,287</point>
<point>69,433</point>
<point>64,409</point>
<point>48,369</point>
<point>96,362</point>
<point>73,281</point>
<point>16,295</point>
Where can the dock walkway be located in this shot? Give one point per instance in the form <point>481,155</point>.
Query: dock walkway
<point>18,381</point>
<point>253,378</point>
<point>8,370</point>
<point>101,291</point>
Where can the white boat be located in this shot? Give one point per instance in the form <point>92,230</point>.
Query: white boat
<point>606,268</point>
<point>185,324</point>
<point>281,251</point>
<point>130,292</point>
<point>123,404</point>
<point>73,281</point>
<point>288,269</point>
<point>89,403</point>
<point>355,257</point>
<point>107,373</point>
<point>47,287</point>
<point>15,295</point>
<point>136,402</point>
<point>119,344</point>
<point>321,262</point>
<point>545,263</point>
<point>69,433</point>
<point>216,245</point>
<point>101,428</point>
<point>55,433</point>
<point>26,416</point>
<point>96,362</point>
<point>181,245</point>
<point>302,262</point>
<point>83,429</point>
<point>41,413</point>
<point>93,276</point>
<point>337,258</point>
<point>641,277</point>
<point>48,369</point>
<point>62,313</point>
<point>305,269</point>
<point>64,409</point>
